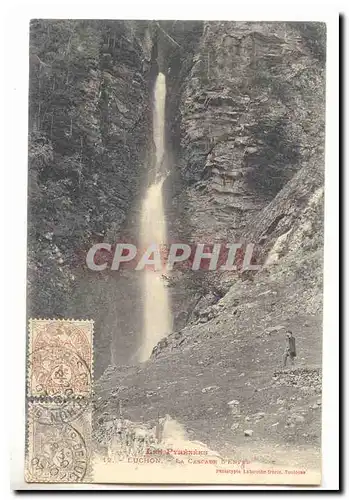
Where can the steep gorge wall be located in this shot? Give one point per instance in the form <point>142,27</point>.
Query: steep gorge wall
<point>251,115</point>
<point>89,122</point>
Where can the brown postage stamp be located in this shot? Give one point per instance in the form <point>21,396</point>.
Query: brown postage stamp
<point>60,358</point>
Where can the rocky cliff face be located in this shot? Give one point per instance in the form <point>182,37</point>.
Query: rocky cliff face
<point>251,116</point>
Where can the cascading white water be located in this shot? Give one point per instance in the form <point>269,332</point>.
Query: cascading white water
<point>157,315</point>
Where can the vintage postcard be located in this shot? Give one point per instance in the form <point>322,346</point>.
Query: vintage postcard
<point>175,252</point>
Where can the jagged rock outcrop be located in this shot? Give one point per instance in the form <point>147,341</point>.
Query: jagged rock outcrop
<point>252,112</point>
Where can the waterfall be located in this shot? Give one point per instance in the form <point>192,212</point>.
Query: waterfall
<point>156,307</point>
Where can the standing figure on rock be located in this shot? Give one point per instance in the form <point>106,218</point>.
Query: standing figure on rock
<point>290,350</point>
